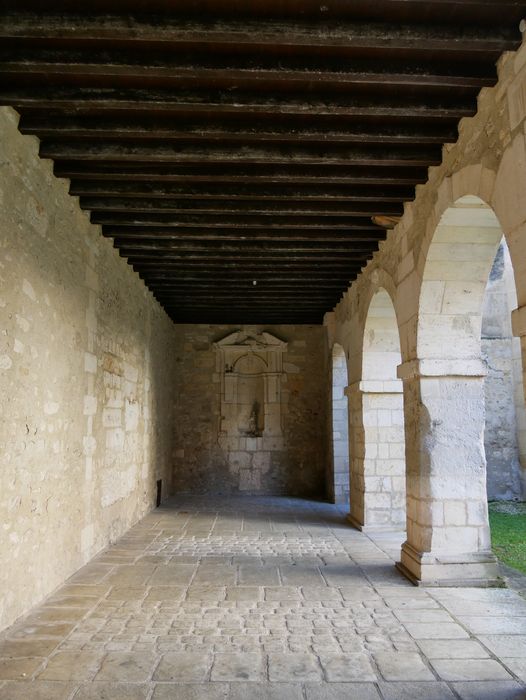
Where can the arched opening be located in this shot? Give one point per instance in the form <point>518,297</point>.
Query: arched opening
<point>378,465</point>
<point>448,537</point>
<point>339,487</point>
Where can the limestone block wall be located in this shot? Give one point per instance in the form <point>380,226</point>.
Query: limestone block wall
<point>213,455</point>
<point>503,402</point>
<point>86,378</point>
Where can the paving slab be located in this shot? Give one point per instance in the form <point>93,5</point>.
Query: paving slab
<point>36,690</point>
<point>72,666</point>
<point>430,690</point>
<point>19,669</point>
<point>266,691</point>
<point>490,690</point>
<point>435,630</point>
<point>347,667</point>
<point>294,667</point>
<point>126,667</point>
<point>112,691</point>
<point>516,666</point>
<point>452,649</point>
<point>494,625</point>
<point>193,691</point>
<point>505,644</point>
<point>239,667</point>
<point>341,691</point>
<point>27,647</point>
<point>470,670</point>
<point>402,666</point>
<point>184,666</point>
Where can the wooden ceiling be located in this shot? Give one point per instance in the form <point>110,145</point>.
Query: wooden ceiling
<point>236,150</point>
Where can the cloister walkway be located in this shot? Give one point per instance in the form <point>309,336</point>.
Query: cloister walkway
<point>256,598</point>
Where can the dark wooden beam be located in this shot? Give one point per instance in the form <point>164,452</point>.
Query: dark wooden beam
<point>94,129</point>
<point>247,247</point>
<point>128,235</point>
<point>344,176</point>
<point>114,103</point>
<point>221,193</point>
<point>326,37</point>
<point>240,223</point>
<point>225,287</point>
<point>307,273</point>
<point>233,208</point>
<point>118,152</point>
<point>240,257</point>
<point>227,78</point>
<point>436,12</point>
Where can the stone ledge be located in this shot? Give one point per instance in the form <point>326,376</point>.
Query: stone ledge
<point>477,570</point>
<point>470,367</point>
<point>369,386</point>
<point>371,529</point>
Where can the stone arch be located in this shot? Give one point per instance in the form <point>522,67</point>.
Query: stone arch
<point>353,339</point>
<point>497,190</point>
<point>457,266</point>
<point>378,446</point>
<point>339,486</point>
<point>444,392</point>
<point>248,364</point>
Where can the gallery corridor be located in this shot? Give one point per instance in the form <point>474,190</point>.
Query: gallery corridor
<point>261,598</point>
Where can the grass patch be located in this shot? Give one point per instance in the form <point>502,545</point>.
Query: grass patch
<point>508,534</point>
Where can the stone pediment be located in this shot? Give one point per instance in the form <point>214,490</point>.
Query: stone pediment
<point>243,340</point>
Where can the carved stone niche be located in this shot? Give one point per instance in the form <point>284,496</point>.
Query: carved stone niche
<point>251,368</point>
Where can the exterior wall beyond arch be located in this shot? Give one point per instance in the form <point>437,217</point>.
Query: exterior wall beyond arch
<point>504,398</point>
<point>339,427</point>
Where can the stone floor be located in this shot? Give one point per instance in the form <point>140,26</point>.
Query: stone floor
<point>261,598</point>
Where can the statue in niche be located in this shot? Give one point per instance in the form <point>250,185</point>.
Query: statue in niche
<point>251,367</point>
<point>253,421</point>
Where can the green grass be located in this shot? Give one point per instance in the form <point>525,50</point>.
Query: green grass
<point>508,533</point>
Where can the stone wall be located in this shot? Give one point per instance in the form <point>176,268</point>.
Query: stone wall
<point>501,352</point>
<point>216,455</point>
<point>86,381</point>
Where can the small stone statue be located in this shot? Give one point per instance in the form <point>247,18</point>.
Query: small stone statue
<point>253,421</point>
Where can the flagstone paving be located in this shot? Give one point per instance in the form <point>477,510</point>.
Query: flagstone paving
<point>264,599</point>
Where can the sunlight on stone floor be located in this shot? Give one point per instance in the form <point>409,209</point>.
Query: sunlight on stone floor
<point>261,598</point>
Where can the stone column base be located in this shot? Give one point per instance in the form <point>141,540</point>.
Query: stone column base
<point>478,570</point>
<point>371,529</point>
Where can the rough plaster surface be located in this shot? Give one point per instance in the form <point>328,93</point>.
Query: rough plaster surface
<point>85,383</point>
<point>292,463</point>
